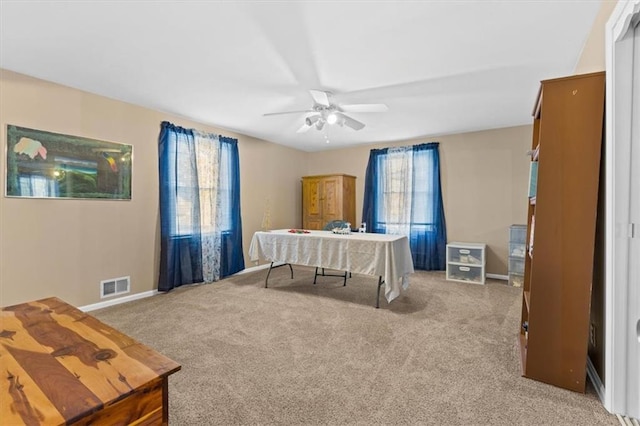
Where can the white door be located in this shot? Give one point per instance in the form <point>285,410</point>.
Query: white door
<point>633,307</point>
<point>621,393</point>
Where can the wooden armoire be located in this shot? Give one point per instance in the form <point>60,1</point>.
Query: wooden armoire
<point>326,198</point>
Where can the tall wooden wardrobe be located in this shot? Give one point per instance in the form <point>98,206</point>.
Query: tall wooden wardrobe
<point>326,198</point>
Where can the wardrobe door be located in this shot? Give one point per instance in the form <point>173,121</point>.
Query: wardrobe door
<point>312,200</point>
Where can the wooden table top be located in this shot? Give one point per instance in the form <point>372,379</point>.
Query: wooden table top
<point>61,364</point>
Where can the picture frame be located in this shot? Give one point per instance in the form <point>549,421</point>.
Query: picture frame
<point>41,164</point>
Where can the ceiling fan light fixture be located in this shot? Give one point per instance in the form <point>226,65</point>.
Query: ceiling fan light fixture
<point>324,111</point>
<point>310,121</point>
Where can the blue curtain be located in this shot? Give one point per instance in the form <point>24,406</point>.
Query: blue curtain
<point>201,230</point>
<point>403,195</point>
<point>231,255</point>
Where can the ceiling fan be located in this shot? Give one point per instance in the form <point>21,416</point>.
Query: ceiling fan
<point>326,111</point>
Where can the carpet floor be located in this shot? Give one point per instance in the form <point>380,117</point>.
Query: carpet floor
<point>297,353</point>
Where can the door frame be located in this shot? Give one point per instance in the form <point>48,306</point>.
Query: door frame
<point>619,74</point>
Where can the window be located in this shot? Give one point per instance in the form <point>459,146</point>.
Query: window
<point>402,196</point>
<point>406,191</point>
<point>201,228</point>
<point>205,166</point>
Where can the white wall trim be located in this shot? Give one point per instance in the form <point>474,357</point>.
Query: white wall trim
<point>253,269</point>
<point>498,277</point>
<point>595,379</point>
<point>118,301</point>
<point>619,64</point>
<point>150,293</point>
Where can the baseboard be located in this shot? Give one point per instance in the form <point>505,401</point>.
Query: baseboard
<point>595,379</point>
<point>118,301</point>
<point>498,277</point>
<point>150,293</point>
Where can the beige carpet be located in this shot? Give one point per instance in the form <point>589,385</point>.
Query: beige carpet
<point>443,353</point>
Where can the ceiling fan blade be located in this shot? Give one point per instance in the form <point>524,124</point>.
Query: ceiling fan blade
<point>288,112</point>
<point>320,97</point>
<point>364,108</point>
<point>350,122</point>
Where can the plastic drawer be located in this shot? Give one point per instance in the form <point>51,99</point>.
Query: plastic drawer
<point>518,233</point>
<point>516,265</point>
<point>468,255</point>
<point>465,273</point>
<point>516,250</point>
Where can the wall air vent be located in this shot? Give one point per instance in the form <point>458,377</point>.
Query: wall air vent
<point>115,286</point>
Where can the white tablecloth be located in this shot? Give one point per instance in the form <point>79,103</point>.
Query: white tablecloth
<point>388,256</point>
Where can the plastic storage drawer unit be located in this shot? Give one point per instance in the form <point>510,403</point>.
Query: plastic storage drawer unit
<point>466,262</point>
<point>517,249</point>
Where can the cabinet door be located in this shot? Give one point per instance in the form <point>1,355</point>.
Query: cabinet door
<point>332,199</point>
<point>312,204</point>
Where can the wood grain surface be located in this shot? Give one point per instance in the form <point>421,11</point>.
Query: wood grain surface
<point>63,366</point>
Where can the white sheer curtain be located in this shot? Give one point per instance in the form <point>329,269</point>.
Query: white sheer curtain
<point>207,166</point>
<point>398,190</point>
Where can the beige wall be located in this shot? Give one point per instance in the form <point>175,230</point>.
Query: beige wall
<point>484,184</point>
<point>64,248</point>
<point>592,58</point>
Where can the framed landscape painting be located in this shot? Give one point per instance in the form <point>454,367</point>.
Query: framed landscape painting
<point>51,165</point>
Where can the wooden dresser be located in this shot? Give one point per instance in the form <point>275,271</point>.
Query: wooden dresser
<point>326,198</point>
<point>63,366</point>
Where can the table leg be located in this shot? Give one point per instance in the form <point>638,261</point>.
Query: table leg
<point>380,282</point>
<point>316,275</point>
<point>273,267</point>
<point>266,280</point>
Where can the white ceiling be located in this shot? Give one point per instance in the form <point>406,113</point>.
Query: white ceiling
<point>441,66</point>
